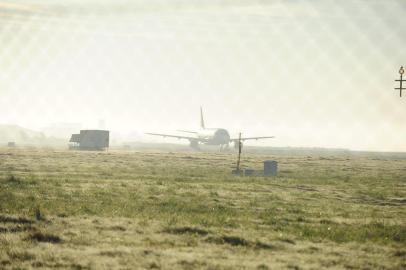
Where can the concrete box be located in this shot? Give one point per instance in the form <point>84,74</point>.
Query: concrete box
<point>249,172</point>
<point>270,168</point>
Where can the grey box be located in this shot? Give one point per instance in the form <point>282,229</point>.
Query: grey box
<point>249,172</point>
<point>237,173</point>
<point>270,168</point>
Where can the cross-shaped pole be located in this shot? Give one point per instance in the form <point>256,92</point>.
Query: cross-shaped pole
<point>239,153</point>
<point>401,71</point>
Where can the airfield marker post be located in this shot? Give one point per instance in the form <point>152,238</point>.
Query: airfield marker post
<point>239,153</point>
<point>401,71</point>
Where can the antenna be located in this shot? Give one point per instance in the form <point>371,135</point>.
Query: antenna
<point>401,72</point>
<point>201,118</point>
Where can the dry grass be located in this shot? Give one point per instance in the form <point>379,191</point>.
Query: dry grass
<point>128,210</point>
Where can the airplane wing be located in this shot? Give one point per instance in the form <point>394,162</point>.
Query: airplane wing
<point>188,131</point>
<point>174,136</point>
<point>253,138</point>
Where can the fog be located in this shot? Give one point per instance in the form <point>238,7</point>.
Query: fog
<point>314,73</point>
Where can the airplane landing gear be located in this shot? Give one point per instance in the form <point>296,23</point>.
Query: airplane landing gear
<point>224,147</point>
<point>195,145</point>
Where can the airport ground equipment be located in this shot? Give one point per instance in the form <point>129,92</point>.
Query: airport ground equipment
<point>270,168</point>
<point>249,172</point>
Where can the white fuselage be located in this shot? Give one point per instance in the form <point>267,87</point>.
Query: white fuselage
<point>209,136</point>
<point>214,136</point>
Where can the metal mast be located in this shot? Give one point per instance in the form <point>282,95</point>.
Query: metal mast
<point>401,71</point>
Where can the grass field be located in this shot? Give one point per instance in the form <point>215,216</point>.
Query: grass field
<point>155,210</point>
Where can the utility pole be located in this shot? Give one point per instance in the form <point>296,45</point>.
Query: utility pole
<point>239,153</point>
<point>401,71</point>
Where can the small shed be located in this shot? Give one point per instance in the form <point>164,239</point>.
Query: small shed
<point>90,140</point>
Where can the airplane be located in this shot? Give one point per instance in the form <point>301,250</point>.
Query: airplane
<point>209,136</point>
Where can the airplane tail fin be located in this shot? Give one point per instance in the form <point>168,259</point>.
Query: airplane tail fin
<point>201,118</point>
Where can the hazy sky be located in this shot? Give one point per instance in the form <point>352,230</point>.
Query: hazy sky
<point>311,72</point>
